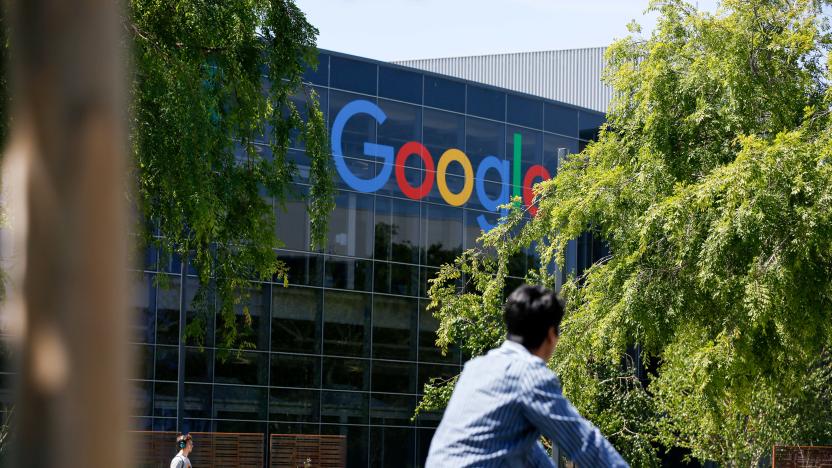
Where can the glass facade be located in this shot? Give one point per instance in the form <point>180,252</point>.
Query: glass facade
<point>347,347</point>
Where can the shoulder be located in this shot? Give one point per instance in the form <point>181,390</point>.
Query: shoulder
<point>537,375</point>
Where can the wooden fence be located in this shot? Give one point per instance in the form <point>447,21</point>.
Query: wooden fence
<point>302,451</point>
<point>796,456</point>
<point>211,449</point>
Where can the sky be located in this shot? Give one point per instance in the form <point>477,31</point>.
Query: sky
<point>409,29</point>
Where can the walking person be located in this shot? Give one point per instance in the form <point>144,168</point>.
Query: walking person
<point>186,445</point>
<point>505,400</point>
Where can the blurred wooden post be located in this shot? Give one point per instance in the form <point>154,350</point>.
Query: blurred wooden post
<point>69,129</point>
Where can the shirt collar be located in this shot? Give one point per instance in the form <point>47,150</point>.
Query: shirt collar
<point>512,347</point>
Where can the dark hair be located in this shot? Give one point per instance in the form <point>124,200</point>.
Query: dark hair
<point>528,314</point>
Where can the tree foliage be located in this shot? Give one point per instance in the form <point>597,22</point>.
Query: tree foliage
<point>210,78</point>
<point>711,183</point>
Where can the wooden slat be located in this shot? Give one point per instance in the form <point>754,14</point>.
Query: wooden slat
<point>802,456</point>
<point>313,451</point>
<point>211,449</point>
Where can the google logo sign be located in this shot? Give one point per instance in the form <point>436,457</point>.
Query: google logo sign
<point>521,184</point>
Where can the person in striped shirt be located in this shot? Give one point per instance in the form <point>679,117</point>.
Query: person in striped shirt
<point>505,400</point>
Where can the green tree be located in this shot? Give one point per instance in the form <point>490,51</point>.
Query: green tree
<point>711,183</point>
<point>209,78</point>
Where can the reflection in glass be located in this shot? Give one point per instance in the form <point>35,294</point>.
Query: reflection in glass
<point>242,367</point>
<point>250,325</point>
<point>428,351</point>
<point>197,401</point>
<point>289,370</point>
<point>392,410</point>
<point>346,323</point>
<point>346,374</point>
<point>199,365</point>
<point>393,376</point>
<point>392,446</point>
<point>167,311</point>
<point>233,402</point>
<point>167,363</point>
<point>292,226</point>
<point>356,441</point>
<point>351,226</point>
<point>294,405</point>
<point>443,233</point>
<point>360,128</point>
<point>296,319</point>
<point>344,407</point>
<point>348,273</point>
<point>143,307</point>
<point>394,327</point>
<point>164,399</point>
<point>305,269</point>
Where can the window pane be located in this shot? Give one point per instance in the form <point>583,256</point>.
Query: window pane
<point>250,324</point>
<point>344,407</point>
<point>232,402</point>
<point>293,220</point>
<point>485,138</point>
<point>393,446</point>
<point>304,269</point>
<point>164,399</point>
<point>360,129</point>
<point>351,226</point>
<point>444,94</point>
<point>531,148</point>
<point>485,102</point>
<point>428,351</point>
<point>397,230</point>
<point>525,111</point>
<point>394,377</point>
<point>199,365</point>
<point>348,273</point>
<point>403,85</point>
<point>561,119</point>
<point>143,367</point>
<point>167,312</point>
<point>430,371</point>
<point>346,374</point>
<point>443,233</point>
<point>392,410</point>
<point>588,124</point>
<point>296,319</point>
<point>247,368</point>
<point>290,370</point>
<point>555,148</point>
<point>396,278</point>
<point>319,74</point>
<point>167,363</point>
<point>353,75</point>
<point>356,442</point>
<point>141,395</point>
<point>294,405</point>
<point>443,131</point>
<point>143,305</point>
<point>394,327</point>
<point>346,323</point>
<point>197,401</point>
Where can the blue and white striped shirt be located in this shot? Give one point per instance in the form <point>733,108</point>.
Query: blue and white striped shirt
<point>502,402</point>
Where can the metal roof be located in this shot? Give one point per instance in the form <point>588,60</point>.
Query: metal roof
<point>572,76</point>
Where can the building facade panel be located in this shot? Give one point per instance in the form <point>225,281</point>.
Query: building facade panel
<point>348,345</point>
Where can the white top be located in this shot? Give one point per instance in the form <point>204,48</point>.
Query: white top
<point>180,461</point>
